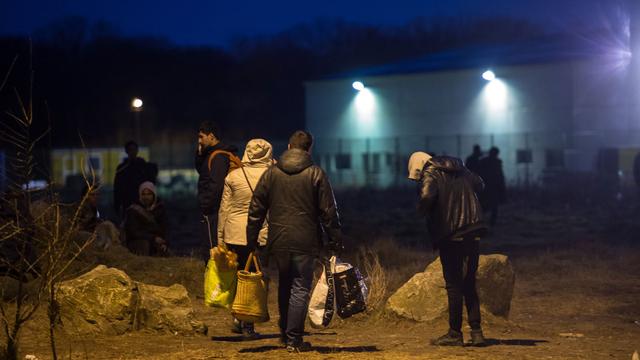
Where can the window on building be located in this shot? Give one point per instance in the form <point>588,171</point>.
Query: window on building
<point>343,161</point>
<point>95,163</point>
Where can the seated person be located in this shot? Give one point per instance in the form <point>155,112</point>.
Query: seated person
<point>89,221</point>
<point>145,223</point>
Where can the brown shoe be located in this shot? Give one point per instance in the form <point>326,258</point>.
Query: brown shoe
<point>452,338</point>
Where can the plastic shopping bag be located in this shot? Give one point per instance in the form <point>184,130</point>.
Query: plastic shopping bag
<point>219,285</point>
<point>322,303</point>
<point>351,290</point>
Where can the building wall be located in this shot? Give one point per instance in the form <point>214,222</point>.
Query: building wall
<point>560,113</point>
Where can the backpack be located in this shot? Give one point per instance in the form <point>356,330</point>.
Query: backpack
<point>234,161</point>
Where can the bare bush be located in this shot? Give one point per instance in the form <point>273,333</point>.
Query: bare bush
<point>376,277</point>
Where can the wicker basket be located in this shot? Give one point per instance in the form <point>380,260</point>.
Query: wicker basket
<point>250,303</point>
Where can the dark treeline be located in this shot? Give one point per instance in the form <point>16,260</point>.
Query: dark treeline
<point>85,75</point>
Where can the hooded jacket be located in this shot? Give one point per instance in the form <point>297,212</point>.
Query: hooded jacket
<point>143,224</point>
<point>448,199</point>
<point>238,190</point>
<point>211,181</point>
<point>298,196</point>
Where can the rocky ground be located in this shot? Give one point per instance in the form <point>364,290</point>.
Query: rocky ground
<point>576,295</point>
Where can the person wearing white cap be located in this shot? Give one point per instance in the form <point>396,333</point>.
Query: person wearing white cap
<point>448,200</point>
<point>234,209</point>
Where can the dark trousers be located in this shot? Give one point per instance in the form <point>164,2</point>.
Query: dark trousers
<point>294,290</point>
<point>459,266</point>
<point>209,235</point>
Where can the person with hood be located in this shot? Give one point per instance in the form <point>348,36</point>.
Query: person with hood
<point>447,198</point>
<point>299,200</point>
<point>145,223</point>
<point>212,163</point>
<point>494,194</point>
<point>234,208</point>
<point>132,172</point>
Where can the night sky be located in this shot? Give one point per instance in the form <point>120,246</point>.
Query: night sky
<point>206,22</point>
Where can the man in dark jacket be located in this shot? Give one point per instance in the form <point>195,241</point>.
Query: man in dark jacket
<point>447,198</point>
<point>299,199</point>
<point>129,175</point>
<point>494,193</point>
<point>211,171</point>
<point>473,161</point>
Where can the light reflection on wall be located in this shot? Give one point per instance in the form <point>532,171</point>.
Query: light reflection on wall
<point>365,106</point>
<point>494,107</point>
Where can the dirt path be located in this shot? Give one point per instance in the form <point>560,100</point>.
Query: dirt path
<point>601,323</point>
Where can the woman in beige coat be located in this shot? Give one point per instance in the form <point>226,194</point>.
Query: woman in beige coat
<point>234,208</point>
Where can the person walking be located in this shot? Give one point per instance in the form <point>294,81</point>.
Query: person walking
<point>447,199</point>
<point>299,199</point>
<point>234,208</point>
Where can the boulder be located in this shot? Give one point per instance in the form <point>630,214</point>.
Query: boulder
<point>100,301</point>
<point>161,308</point>
<point>424,297</point>
<point>106,301</point>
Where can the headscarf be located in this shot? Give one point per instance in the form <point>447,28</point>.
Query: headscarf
<point>150,186</point>
<point>416,164</point>
<point>258,152</point>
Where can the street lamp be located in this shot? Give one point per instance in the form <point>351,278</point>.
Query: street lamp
<point>489,75</point>
<point>358,85</point>
<point>137,104</point>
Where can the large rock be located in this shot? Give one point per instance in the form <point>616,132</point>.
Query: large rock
<point>424,297</point>
<point>163,308</point>
<point>100,301</point>
<point>106,301</point>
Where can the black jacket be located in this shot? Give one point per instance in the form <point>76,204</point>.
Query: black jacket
<point>129,176</point>
<point>298,196</point>
<point>495,190</point>
<point>448,199</point>
<point>211,181</point>
<point>141,227</point>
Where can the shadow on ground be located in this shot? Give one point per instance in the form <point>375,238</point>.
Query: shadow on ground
<point>514,342</point>
<point>318,349</point>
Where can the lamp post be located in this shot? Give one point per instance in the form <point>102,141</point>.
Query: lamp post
<point>136,108</point>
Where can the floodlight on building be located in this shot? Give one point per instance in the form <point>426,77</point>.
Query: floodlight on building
<point>489,75</point>
<point>358,85</point>
<point>136,103</point>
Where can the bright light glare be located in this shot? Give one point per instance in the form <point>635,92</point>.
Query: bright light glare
<point>496,95</point>
<point>489,75</point>
<point>136,103</point>
<point>365,105</point>
<point>358,85</point>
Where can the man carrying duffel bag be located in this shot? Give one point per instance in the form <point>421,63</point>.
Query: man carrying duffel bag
<point>298,196</point>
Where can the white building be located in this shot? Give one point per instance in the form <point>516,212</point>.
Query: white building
<point>556,105</point>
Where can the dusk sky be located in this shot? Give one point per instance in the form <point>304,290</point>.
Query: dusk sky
<point>202,22</point>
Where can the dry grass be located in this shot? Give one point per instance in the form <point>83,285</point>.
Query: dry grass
<point>376,278</point>
<point>387,266</point>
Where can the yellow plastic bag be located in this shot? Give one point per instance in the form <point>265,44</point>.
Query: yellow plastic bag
<point>220,282</point>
